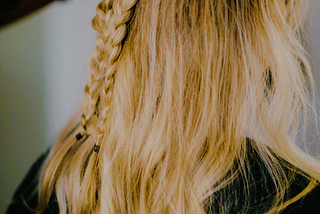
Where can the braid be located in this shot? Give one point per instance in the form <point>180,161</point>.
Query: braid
<point>99,23</point>
<point>111,24</point>
<point>123,12</point>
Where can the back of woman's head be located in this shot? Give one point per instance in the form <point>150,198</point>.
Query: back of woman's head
<point>175,89</point>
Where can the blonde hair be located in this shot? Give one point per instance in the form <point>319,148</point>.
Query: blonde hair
<point>175,89</point>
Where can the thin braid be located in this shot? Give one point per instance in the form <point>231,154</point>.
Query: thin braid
<point>99,23</point>
<point>111,23</point>
<point>123,12</point>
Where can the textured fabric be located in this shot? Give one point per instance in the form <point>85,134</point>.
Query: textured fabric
<point>230,199</point>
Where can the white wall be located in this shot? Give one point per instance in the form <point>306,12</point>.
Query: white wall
<point>313,29</point>
<point>43,69</point>
<point>313,47</point>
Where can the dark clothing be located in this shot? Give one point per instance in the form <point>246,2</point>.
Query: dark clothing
<point>27,192</point>
<point>262,190</point>
<point>230,198</point>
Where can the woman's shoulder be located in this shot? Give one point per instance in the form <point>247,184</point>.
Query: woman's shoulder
<point>253,190</point>
<point>309,204</point>
<point>26,195</point>
<point>231,198</point>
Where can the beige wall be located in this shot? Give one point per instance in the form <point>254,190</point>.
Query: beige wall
<point>43,69</point>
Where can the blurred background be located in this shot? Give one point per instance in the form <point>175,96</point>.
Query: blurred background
<point>43,70</point>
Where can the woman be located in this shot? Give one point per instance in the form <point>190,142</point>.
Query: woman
<point>192,106</point>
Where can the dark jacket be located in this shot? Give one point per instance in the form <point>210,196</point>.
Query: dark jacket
<point>230,198</point>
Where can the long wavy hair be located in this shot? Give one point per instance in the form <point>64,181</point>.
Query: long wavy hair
<point>176,88</point>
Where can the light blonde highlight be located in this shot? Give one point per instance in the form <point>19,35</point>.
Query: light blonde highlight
<point>175,89</point>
